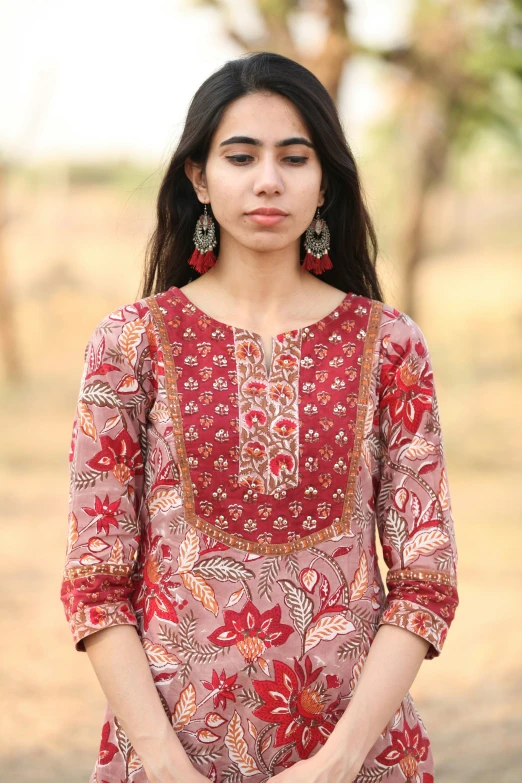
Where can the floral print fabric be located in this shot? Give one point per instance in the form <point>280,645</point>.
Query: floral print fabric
<point>229,512</point>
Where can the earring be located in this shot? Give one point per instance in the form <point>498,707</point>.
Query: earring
<point>203,258</point>
<point>317,244</point>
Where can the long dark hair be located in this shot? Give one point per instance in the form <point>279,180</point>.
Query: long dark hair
<point>353,245</point>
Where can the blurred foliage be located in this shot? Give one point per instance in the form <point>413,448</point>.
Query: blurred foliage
<point>120,174</point>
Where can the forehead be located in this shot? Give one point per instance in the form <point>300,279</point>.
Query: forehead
<point>265,116</point>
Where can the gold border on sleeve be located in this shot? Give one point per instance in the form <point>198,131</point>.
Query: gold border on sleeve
<point>421,575</point>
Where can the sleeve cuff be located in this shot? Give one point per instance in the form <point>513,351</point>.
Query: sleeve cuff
<point>97,597</point>
<point>422,601</point>
<point>94,618</point>
<point>420,621</point>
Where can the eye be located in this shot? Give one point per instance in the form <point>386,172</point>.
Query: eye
<point>297,160</point>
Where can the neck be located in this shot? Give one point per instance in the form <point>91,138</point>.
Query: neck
<point>254,287</point>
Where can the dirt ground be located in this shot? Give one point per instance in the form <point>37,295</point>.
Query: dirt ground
<point>470,698</point>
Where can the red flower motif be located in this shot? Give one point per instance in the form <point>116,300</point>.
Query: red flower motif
<point>332,681</point>
<point>96,615</point>
<point>152,595</point>
<point>121,454</point>
<point>107,749</point>
<point>281,392</point>
<point>247,349</point>
<point>409,381</point>
<point>281,462</point>
<point>286,360</point>
<point>254,448</point>
<point>255,416</point>
<point>408,748</point>
<point>251,631</point>
<point>254,387</point>
<point>105,513</point>
<point>284,427</point>
<point>222,687</point>
<point>298,705</point>
<point>293,333</point>
<point>252,482</point>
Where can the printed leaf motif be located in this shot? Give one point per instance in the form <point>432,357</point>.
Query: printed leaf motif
<point>188,551</point>
<point>309,578</point>
<point>158,655</point>
<point>360,579</point>
<point>134,761</point>
<point>237,747</point>
<point>86,420</point>
<point>101,394</point>
<point>200,590</point>
<point>424,543</point>
<point>128,385</point>
<point>116,555</point>
<point>205,735</point>
<point>395,529</point>
<point>357,671</point>
<point>124,742</point>
<point>185,707</point>
<point>368,420</point>
<point>419,448</point>
<point>163,500</point>
<point>401,498</point>
<point>300,606</point>
<point>96,544</point>
<point>444,491</point>
<point>87,559</point>
<point>72,534</point>
<point>214,719</point>
<point>223,568</point>
<point>159,412</point>
<point>328,627</point>
<point>110,423</point>
<point>130,338</point>
<point>235,597</point>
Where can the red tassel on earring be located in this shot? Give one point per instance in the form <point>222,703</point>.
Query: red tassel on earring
<point>317,265</point>
<point>202,262</point>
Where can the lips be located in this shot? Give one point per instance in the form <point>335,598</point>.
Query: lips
<point>267,211</point>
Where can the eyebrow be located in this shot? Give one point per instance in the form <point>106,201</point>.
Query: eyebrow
<point>259,143</point>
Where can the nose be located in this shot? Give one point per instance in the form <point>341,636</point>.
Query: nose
<point>268,177</point>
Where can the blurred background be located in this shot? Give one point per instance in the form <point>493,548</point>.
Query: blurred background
<point>92,100</point>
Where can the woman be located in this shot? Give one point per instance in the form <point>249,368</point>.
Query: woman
<point>243,431</point>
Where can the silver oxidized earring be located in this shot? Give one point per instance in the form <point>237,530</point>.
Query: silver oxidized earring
<point>203,258</point>
<point>317,244</point>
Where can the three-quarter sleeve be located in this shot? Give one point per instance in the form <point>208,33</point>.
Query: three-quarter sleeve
<point>107,474</point>
<point>413,508</point>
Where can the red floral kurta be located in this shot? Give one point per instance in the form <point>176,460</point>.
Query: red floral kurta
<point>230,514</point>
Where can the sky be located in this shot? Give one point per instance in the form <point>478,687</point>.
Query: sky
<point>113,78</point>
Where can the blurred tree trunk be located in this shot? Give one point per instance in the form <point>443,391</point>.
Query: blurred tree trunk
<point>427,170</point>
<point>8,338</point>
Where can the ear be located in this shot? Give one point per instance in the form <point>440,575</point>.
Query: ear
<point>194,172</point>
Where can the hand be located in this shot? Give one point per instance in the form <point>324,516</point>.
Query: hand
<point>317,769</point>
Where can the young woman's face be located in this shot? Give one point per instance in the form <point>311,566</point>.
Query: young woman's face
<point>257,170</point>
